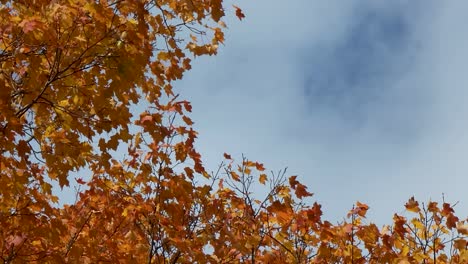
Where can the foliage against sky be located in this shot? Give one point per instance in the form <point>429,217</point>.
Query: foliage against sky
<point>71,75</point>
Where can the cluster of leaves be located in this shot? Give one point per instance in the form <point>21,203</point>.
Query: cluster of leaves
<point>282,228</point>
<point>82,80</point>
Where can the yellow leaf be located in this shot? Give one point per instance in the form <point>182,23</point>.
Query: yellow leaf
<point>464,255</point>
<point>36,243</point>
<point>76,99</point>
<point>164,56</point>
<point>125,212</point>
<point>417,224</point>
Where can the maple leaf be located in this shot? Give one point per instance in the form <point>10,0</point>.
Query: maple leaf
<point>432,207</point>
<point>452,221</point>
<point>189,172</point>
<point>235,176</point>
<point>399,225</point>
<point>187,120</point>
<point>301,191</point>
<point>412,205</point>
<point>259,166</point>
<point>359,209</point>
<point>263,178</point>
<point>293,182</point>
<point>239,12</point>
<point>447,209</point>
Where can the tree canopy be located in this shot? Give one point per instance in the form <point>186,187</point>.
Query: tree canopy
<point>86,100</point>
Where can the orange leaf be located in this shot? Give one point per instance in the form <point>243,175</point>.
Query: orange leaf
<point>359,209</point>
<point>293,182</point>
<point>301,191</point>
<point>399,223</point>
<point>187,104</point>
<point>460,244</point>
<point>432,207</point>
<point>259,166</point>
<point>447,209</point>
<point>362,208</point>
<point>189,172</point>
<point>263,178</point>
<point>235,176</point>
<point>412,205</point>
<point>239,12</point>
<point>452,221</point>
<point>187,120</point>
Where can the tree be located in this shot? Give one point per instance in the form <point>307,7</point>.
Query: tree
<point>82,82</point>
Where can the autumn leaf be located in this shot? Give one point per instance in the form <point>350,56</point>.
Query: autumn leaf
<point>359,209</point>
<point>235,176</point>
<point>412,205</point>
<point>187,120</point>
<point>239,12</point>
<point>460,244</point>
<point>189,172</point>
<point>462,228</point>
<point>433,207</point>
<point>263,178</point>
<point>399,225</point>
<point>259,166</point>
<point>293,182</point>
<point>80,181</point>
<point>447,209</point>
<point>452,221</point>
<point>301,191</point>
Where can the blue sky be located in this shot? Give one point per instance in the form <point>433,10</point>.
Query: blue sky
<point>364,100</point>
